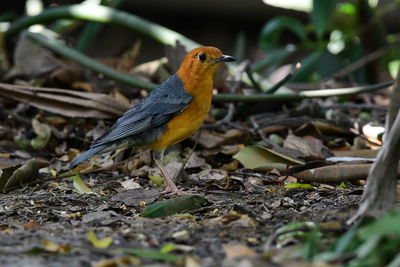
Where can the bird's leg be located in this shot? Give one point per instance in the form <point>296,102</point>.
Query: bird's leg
<point>170,188</point>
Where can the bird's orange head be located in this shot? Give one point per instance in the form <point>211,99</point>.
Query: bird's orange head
<point>200,64</point>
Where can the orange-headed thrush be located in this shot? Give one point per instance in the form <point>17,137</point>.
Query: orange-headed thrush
<point>169,114</point>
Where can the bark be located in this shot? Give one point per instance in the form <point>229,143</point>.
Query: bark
<point>380,192</point>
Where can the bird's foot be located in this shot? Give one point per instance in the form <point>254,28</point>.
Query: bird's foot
<point>175,191</point>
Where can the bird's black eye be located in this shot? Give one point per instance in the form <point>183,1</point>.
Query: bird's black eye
<point>202,57</point>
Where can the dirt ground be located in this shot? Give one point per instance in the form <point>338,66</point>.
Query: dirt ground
<point>234,229</point>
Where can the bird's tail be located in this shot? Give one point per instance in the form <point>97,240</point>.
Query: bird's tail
<point>86,154</point>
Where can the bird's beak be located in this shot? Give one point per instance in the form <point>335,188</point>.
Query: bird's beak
<point>224,58</point>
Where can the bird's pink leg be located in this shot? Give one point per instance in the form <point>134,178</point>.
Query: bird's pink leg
<point>170,188</point>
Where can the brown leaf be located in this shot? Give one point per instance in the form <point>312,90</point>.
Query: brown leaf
<point>335,173</point>
<point>238,251</point>
<point>17,176</point>
<point>311,147</point>
<point>65,102</point>
<point>32,60</point>
<point>210,139</point>
<point>30,225</point>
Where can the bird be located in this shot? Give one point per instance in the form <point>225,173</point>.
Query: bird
<point>167,115</point>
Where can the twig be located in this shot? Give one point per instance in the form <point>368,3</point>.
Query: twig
<point>231,107</point>
<point>285,79</point>
<point>301,95</point>
<point>355,106</point>
<point>260,132</point>
<point>252,79</point>
<point>361,62</point>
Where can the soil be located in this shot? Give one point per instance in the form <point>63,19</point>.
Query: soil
<point>247,215</point>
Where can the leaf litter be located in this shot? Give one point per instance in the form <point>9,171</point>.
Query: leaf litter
<point>249,178</point>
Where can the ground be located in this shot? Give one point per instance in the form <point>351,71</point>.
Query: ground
<point>245,218</point>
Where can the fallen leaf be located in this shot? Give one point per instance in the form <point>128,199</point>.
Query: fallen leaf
<point>210,139</point>
<point>298,185</point>
<point>130,184</point>
<point>156,180</point>
<point>120,261</point>
<point>195,161</point>
<point>65,102</point>
<point>238,251</point>
<point>19,175</point>
<point>174,206</point>
<point>80,185</point>
<point>30,225</point>
<point>263,159</point>
<point>32,60</point>
<point>311,147</point>
<point>49,246</point>
<point>211,176</point>
<point>43,134</point>
<point>133,197</point>
<point>99,243</point>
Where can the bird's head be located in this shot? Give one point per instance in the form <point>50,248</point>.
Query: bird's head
<point>202,62</point>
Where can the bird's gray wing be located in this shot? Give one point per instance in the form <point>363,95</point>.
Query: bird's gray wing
<point>160,106</point>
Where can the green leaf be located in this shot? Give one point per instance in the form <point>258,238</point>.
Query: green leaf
<point>271,60</point>
<point>157,180</point>
<point>271,31</point>
<point>395,262</point>
<point>345,241</point>
<point>264,159</point>
<point>167,248</point>
<point>298,185</point>
<point>150,254</point>
<point>312,244</point>
<point>99,243</point>
<point>321,15</point>
<point>388,225</point>
<point>173,206</point>
<point>43,133</point>
<point>308,67</point>
<point>80,185</point>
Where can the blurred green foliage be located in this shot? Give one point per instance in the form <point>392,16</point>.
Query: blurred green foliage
<point>337,35</point>
<point>373,243</point>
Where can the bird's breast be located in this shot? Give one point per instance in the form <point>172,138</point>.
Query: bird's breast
<point>187,122</point>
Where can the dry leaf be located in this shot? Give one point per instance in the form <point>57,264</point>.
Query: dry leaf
<point>335,173</point>
<point>32,60</point>
<point>65,102</point>
<point>238,251</point>
<point>311,147</point>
